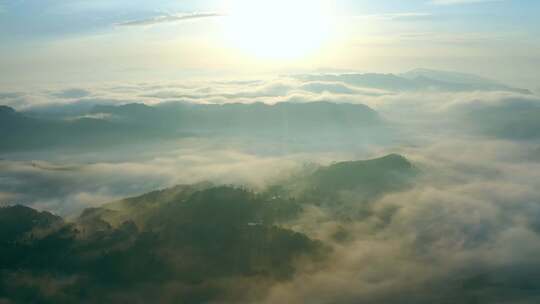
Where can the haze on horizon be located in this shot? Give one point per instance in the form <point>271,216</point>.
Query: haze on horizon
<point>236,151</point>
<point>61,41</point>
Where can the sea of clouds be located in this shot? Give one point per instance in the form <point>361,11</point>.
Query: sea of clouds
<point>472,217</point>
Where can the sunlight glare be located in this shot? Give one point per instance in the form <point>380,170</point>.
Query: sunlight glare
<point>278,29</point>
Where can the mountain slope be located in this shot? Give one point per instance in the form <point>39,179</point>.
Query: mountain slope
<point>373,176</point>
<point>183,244</point>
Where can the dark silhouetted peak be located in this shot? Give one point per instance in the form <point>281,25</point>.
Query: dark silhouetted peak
<point>18,220</point>
<point>389,162</point>
<point>375,175</point>
<point>5,110</point>
<point>11,119</point>
<point>394,161</point>
<point>23,213</point>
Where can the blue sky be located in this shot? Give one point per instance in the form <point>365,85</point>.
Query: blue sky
<point>27,19</point>
<point>43,40</point>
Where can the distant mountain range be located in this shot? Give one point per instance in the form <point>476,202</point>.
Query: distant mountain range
<point>134,123</point>
<point>416,80</point>
<point>510,118</point>
<point>82,126</point>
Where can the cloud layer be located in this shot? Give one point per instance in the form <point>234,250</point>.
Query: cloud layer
<point>466,230</point>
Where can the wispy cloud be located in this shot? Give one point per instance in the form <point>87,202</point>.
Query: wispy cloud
<point>169,18</point>
<point>398,16</point>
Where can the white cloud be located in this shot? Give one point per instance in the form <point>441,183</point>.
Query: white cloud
<point>472,213</point>
<point>467,216</point>
<point>169,18</point>
<point>422,117</point>
<point>398,16</point>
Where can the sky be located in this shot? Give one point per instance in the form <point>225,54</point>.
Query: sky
<point>105,100</point>
<point>73,41</point>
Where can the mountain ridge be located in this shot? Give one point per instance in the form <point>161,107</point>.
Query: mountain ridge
<point>417,80</point>
<point>107,125</point>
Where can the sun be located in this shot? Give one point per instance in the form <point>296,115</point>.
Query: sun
<point>278,29</point>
